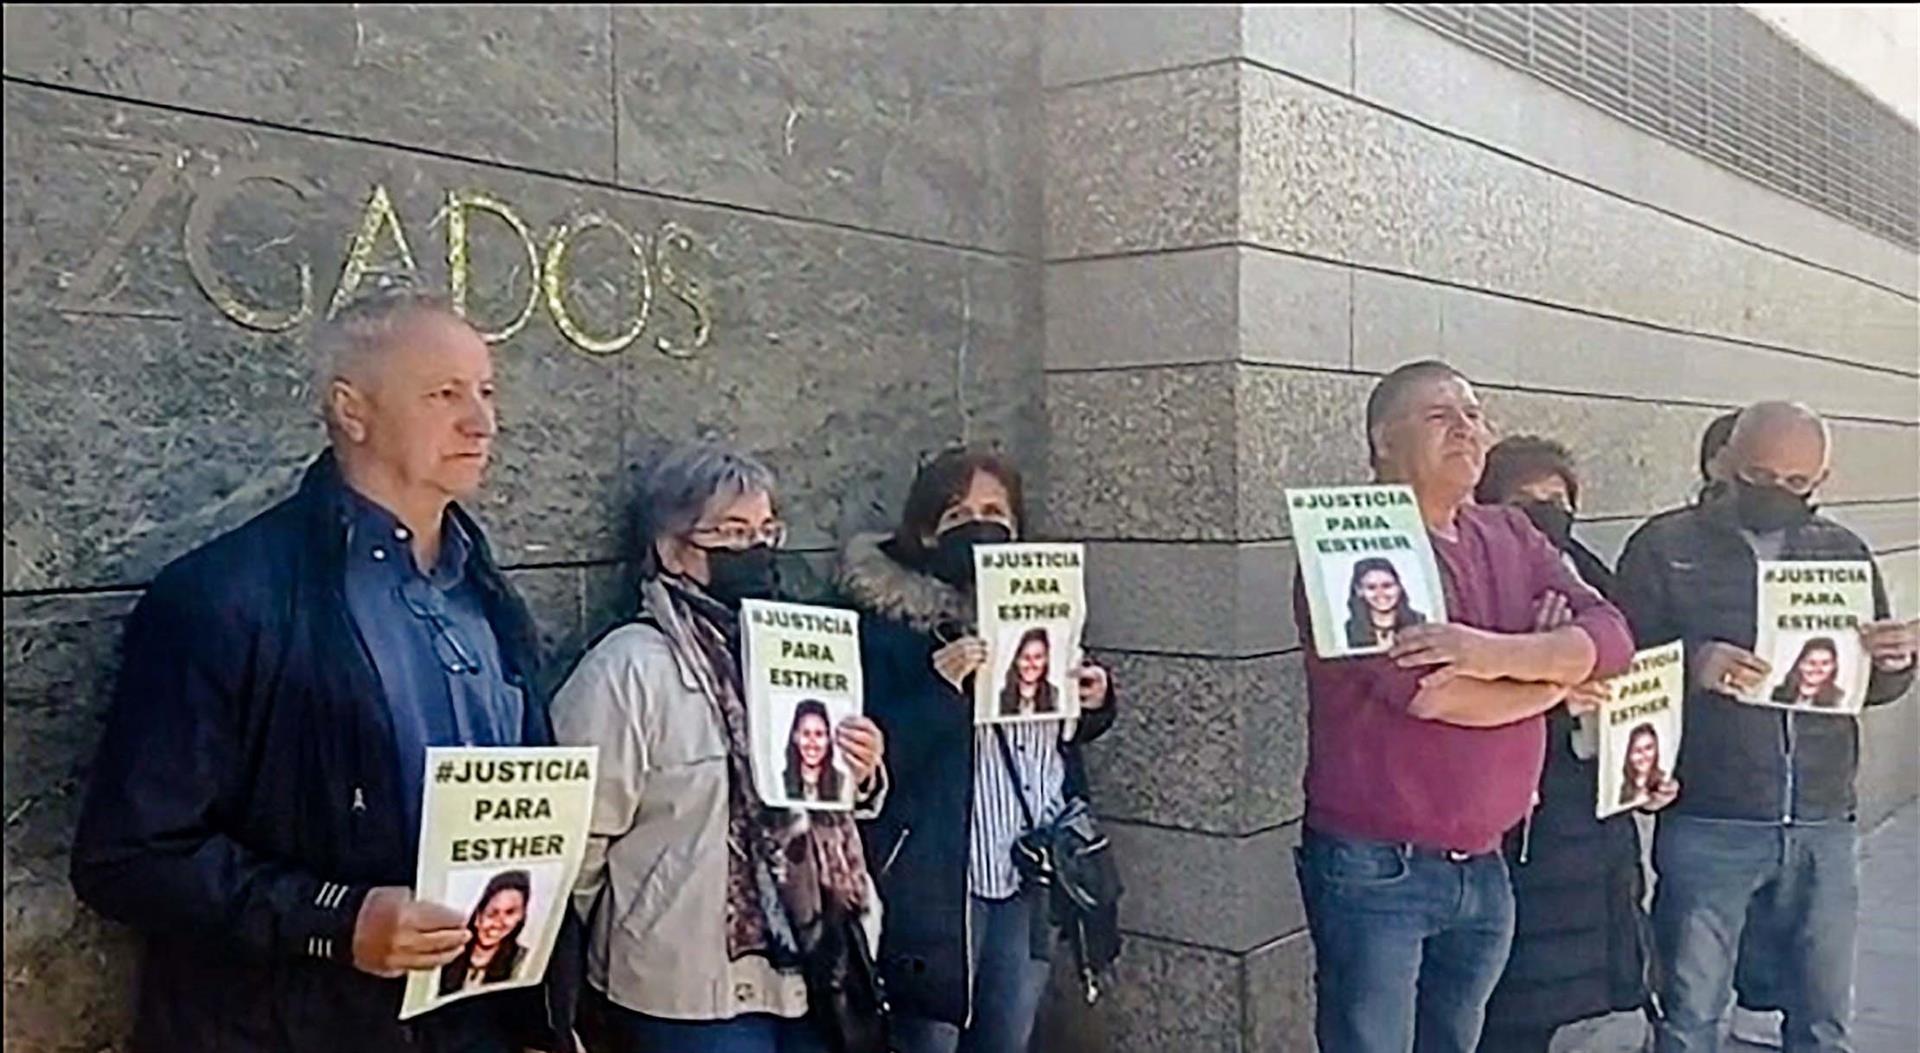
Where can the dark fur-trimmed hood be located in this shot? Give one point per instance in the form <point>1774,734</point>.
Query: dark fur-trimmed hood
<point>876,582</point>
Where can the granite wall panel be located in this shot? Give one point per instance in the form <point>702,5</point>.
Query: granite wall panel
<point>1206,744</point>
<point>69,976</point>
<point>397,73</point>
<point>1420,74</point>
<point>1225,600</point>
<point>1312,171</point>
<point>184,188</point>
<point>915,120</point>
<point>854,353</point>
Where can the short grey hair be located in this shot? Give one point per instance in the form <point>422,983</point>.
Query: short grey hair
<point>683,484</point>
<point>364,327</point>
<point>1384,402</point>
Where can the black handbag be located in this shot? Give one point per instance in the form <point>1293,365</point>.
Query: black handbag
<point>1070,862</point>
<point>845,994</point>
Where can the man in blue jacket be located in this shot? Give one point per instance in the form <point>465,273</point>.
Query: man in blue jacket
<point>254,808</point>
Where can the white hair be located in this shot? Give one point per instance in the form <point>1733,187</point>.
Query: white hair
<point>363,329</point>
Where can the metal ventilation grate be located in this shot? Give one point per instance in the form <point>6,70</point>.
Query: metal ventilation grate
<point>1720,82</point>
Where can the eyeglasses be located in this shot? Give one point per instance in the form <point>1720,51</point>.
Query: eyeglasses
<point>736,536</point>
<point>1763,477</point>
<point>450,646</point>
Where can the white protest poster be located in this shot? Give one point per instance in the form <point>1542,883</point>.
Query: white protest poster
<point>1808,630</point>
<point>1032,612</point>
<point>1366,565</point>
<point>1640,728</point>
<point>803,681</point>
<point>502,833</point>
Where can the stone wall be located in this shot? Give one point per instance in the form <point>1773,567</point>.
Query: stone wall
<point>1160,256</point>
<point>859,219</point>
<point>1253,212</point>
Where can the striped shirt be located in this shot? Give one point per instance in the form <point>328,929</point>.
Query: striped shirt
<point>997,819</point>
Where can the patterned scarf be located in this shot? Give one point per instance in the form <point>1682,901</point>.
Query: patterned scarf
<point>786,869</point>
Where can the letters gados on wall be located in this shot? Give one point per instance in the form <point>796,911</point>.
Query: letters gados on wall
<point>666,263</point>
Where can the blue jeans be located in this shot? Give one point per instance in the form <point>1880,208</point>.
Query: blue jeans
<point>1008,983</point>
<point>631,1032</point>
<point>1407,943</point>
<point>1806,878</point>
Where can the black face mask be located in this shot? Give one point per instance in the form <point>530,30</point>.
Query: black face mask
<point>952,558</point>
<point>1765,509</point>
<point>1553,521</point>
<point>742,574</point>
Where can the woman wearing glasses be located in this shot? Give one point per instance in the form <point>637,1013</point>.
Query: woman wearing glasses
<point>701,904</point>
<point>958,952</point>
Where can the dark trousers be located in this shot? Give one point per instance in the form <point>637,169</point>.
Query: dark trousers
<point>1008,983</point>
<point>1408,944</point>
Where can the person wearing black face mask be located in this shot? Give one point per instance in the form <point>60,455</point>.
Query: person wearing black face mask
<point>959,951</point>
<point>1756,1011</point>
<point>1769,507</point>
<point>716,955</point>
<point>951,559</point>
<point>1766,823</point>
<point>736,574</point>
<point>1537,476</point>
<point>1581,941</point>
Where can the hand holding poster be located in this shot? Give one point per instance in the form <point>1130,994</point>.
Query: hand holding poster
<point>802,682</point>
<point>1032,611</point>
<point>1810,615</point>
<point>1366,564</point>
<point>1640,728</point>
<point>502,834</point>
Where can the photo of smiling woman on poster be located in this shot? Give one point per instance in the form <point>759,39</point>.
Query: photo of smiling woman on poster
<point>493,951</point>
<point>1811,683</point>
<point>811,774</point>
<point>1642,774</point>
<point>1027,691</point>
<point>1377,604</point>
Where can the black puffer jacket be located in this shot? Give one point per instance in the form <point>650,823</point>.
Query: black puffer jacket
<point>918,848</point>
<point>247,795</point>
<point>1691,575</point>
<point>1581,943</point>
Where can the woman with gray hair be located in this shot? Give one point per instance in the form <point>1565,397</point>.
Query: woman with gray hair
<point>704,908</point>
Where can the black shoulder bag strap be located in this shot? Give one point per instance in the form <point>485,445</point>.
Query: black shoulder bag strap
<point>1033,859</point>
<point>1013,774</point>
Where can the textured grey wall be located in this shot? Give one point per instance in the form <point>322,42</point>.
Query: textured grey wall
<point>862,217</point>
<point>1247,214</point>
<point>1251,214</point>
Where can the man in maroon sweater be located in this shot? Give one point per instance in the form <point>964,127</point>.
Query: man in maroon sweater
<point>1420,759</point>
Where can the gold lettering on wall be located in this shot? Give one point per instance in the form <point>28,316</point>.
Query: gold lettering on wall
<point>672,249</point>
<point>555,278</point>
<point>376,218</point>
<point>459,203</point>
<point>199,239</point>
<point>673,261</point>
<point>83,293</point>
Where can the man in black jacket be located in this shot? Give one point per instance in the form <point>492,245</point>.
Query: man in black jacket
<point>1768,806</point>
<point>253,810</point>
